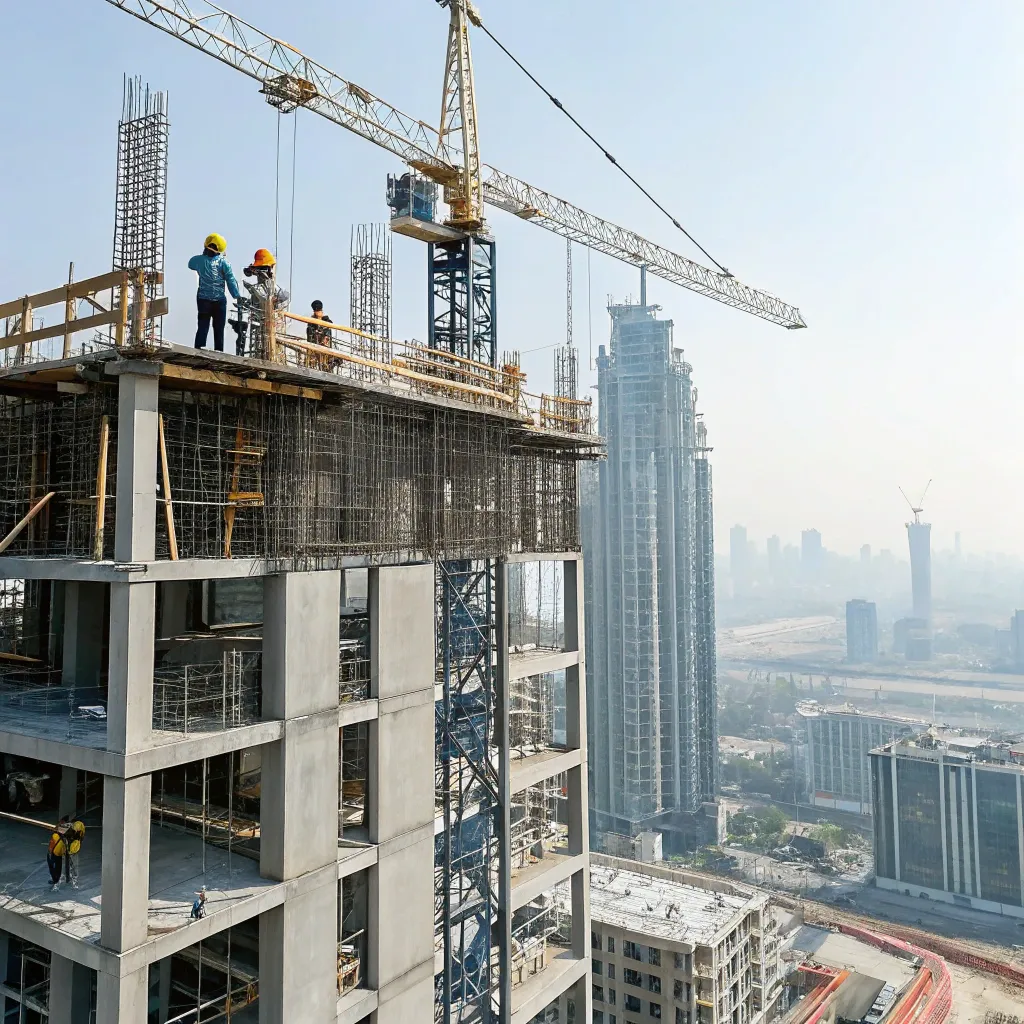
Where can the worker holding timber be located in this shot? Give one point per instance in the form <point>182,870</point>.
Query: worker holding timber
<point>214,274</point>
<point>65,844</point>
<point>265,298</point>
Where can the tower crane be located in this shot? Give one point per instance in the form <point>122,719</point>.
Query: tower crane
<point>919,507</point>
<point>448,156</point>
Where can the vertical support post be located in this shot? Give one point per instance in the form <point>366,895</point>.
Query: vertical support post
<point>124,908</point>
<point>121,326</point>
<point>165,476</point>
<point>101,489</point>
<point>502,723</point>
<point>70,306</point>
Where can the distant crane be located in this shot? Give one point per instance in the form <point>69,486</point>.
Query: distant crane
<point>919,507</point>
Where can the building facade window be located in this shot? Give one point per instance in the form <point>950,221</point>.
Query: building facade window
<point>611,971</point>
<point>598,993</point>
<point>632,1003</point>
<point>919,822</point>
<point>595,940</point>
<point>654,983</point>
<point>656,1011</point>
<point>597,966</point>
<point>631,977</point>
<point>998,837</point>
<point>654,956</point>
<point>611,943</point>
<point>631,950</point>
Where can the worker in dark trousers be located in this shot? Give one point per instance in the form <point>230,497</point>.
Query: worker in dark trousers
<point>214,274</point>
<point>64,847</point>
<point>318,336</point>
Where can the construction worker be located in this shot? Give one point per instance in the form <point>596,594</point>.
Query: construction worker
<point>65,843</point>
<point>318,336</point>
<point>199,906</point>
<point>264,296</point>
<point>214,273</point>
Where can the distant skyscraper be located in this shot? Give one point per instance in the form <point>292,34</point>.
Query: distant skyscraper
<point>1017,639</point>
<point>861,631</point>
<point>649,548</point>
<point>774,557</point>
<point>920,537</point>
<point>739,558</point>
<point>811,552</point>
<point>865,554</point>
<point>956,544</point>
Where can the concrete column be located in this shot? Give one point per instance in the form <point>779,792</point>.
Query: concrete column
<point>130,677</point>
<point>298,960</point>
<point>504,812</point>
<point>299,800</point>
<point>954,829</point>
<point>974,817</point>
<point>965,834</point>
<point>164,994</point>
<point>401,782</point>
<point>68,799</point>
<point>174,608</point>
<point>4,943</point>
<point>124,1000</point>
<point>124,909</point>
<point>137,425</point>
<point>82,657</point>
<point>70,991</point>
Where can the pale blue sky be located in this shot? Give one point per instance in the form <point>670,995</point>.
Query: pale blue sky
<point>863,161</point>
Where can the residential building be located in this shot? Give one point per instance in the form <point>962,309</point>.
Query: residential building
<point>812,554</point>
<point>861,631</point>
<point>649,546</point>
<point>672,947</point>
<point>833,753</point>
<point>948,820</point>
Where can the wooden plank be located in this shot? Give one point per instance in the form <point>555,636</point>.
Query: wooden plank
<point>101,489</point>
<point>156,308</point>
<point>79,290</point>
<point>172,537</point>
<point>25,520</point>
<point>229,510</point>
<point>400,371</point>
<point>242,384</point>
<point>19,659</point>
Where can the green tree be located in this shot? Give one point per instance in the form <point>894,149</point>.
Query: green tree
<point>832,836</point>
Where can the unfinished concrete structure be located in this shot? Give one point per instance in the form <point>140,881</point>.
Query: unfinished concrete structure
<point>647,534</point>
<point>400,882</point>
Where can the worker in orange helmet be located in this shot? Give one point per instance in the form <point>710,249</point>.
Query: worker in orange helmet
<point>264,296</point>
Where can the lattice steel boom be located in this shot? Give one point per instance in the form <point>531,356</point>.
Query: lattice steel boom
<point>290,79</point>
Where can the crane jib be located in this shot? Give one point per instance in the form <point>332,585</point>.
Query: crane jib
<point>290,79</point>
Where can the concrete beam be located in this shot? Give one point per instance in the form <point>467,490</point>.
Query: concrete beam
<point>532,663</point>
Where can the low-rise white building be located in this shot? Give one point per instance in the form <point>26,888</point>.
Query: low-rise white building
<point>671,946</point>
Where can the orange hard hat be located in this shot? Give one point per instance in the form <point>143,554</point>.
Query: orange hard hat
<point>263,258</point>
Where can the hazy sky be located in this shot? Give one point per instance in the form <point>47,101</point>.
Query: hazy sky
<point>861,160</point>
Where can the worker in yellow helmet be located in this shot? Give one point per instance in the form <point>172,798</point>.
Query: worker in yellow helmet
<point>65,843</point>
<point>214,273</point>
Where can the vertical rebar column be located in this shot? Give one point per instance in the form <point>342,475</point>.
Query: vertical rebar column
<point>566,386</point>
<point>370,284</point>
<point>141,201</point>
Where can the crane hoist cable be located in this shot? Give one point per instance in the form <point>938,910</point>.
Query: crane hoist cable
<point>561,106</point>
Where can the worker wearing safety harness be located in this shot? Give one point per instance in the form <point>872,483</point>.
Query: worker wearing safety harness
<point>214,274</point>
<point>65,844</point>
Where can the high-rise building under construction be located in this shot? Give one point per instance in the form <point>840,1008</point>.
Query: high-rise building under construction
<point>647,535</point>
<point>919,536</point>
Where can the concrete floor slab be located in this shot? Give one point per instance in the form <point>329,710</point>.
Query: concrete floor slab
<point>177,871</point>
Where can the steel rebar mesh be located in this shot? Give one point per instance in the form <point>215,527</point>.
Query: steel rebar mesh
<point>536,612</point>
<point>370,287</point>
<point>54,446</point>
<point>141,199</point>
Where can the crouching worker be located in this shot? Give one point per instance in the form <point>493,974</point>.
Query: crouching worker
<point>214,274</point>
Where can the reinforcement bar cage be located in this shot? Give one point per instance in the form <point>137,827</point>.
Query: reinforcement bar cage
<point>299,482</point>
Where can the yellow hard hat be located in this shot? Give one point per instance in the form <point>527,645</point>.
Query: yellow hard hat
<point>263,258</point>
<point>216,242</point>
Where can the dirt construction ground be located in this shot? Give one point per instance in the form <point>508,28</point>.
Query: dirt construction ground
<point>976,994</point>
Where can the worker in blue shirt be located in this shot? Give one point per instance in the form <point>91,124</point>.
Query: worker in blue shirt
<point>214,273</point>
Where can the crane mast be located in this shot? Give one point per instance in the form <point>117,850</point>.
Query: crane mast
<point>458,140</point>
